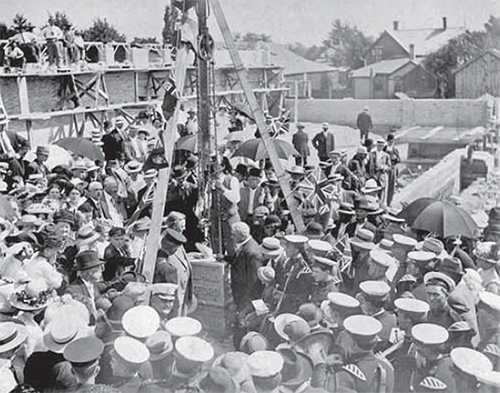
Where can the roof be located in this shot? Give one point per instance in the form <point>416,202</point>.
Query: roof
<point>382,67</point>
<point>426,41</point>
<point>492,51</point>
<point>292,63</point>
<point>272,54</point>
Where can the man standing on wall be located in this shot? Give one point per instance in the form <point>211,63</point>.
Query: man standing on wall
<point>364,123</point>
<point>324,142</point>
<point>299,141</point>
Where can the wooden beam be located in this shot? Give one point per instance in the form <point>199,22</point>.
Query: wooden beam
<point>282,176</point>
<point>160,196</point>
<point>23,94</point>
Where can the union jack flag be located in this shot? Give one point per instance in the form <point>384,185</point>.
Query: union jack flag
<point>344,249</point>
<point>318,191</point>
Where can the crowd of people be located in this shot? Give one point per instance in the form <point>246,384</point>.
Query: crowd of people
<point>355,302</point>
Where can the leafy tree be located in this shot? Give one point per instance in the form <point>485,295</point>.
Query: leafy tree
<point>20,24</point>
<point>492,28</point>
<point>459,50</point>
<point>169,17</point>
<point>102,31</point>
<point>348,44</point>
<point>311,53</point>
<point>138,41</point>
<point>250,40</point>
<point>61,20</point>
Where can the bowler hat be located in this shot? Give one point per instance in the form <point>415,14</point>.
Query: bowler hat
<point>271,247</point>
<point>252,342</point>
<point>86,260</point>
<point>283,320</point>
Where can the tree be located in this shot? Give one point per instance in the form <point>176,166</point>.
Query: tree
<point>348,43</point>
<point>20,24</point>
<point>102,31</point>
<point>250,40</point>
<point>61,20</point>
<point>169,17</point>
<point>310,53</point>
<point>492,28</point>
<point>447,59</point>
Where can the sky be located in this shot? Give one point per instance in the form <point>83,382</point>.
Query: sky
<point>286,21</point>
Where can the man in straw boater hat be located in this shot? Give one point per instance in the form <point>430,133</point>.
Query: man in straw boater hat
<point>12,337</point>
<point>429,339</point>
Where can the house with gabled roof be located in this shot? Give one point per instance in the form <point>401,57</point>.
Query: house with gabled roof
<point>479,76</point>
<point>410,43</point>
<point>382,80</point>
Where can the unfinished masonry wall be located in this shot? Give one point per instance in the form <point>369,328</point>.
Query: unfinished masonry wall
<point>394,113</point>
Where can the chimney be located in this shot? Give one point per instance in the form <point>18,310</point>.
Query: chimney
<point>412,51</point>
<point>445,23</point>
<point>395,25</point>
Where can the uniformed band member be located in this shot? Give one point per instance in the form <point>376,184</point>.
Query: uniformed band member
<point>163,297</point>
<point>324,280</point>
<point>467,364</point>
<point>84,355</point>
<point>429,339</point>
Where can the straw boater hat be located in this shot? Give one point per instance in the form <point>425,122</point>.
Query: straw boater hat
<point>253,342</point>
<point>266,274</point>
<point>59,333</point>
<point>320,247</point>
<point>370,186</point>
<point>282,320</point>
<point>363,239</point>
<point>86,235</point>
<point>235,363</point>
<point>141,321</point>
<point>271,247</point>
<point>11,336</point>
<point>133,167</point>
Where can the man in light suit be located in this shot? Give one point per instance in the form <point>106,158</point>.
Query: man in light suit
<point>173,266</point>
<point>324,142</point>
<point>251,195</point>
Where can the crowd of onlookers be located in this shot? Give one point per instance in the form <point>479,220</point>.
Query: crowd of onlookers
<point>356,301</point>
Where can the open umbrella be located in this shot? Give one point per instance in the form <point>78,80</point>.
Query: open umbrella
<point>411,212</point>
<point>57,156</point>
<point>255,149</point>
<point>446,220</point>
<point>81,147</point>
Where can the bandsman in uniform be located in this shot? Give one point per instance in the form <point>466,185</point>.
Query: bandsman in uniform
<point>467,364</point>
<point>373,297</point>
<point>127,358</point>
<point>402,353</point>
<point>365,372</point>
<point>324,281</point>
<point>417,266</point>
<point>84,355</point>
<point>299,276</point>
<point>488,319</point>
<point>429,339</point>
<point>437,287</point>
<point>162,299</point>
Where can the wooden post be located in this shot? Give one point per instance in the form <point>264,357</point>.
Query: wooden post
<point>282,176</point>
<point>160,197</point>
<point>296,102</point>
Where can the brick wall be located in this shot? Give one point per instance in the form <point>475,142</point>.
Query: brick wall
<point>398,113</point>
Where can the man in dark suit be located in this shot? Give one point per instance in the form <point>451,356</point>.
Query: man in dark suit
<point>251,195</point>
<point>245,284</point>
<point>324,142</point>
<point>300,140</point>
<point>117,255</point>
<point>38,165</point>
<point>364,123</point>
<point>84,289</point>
